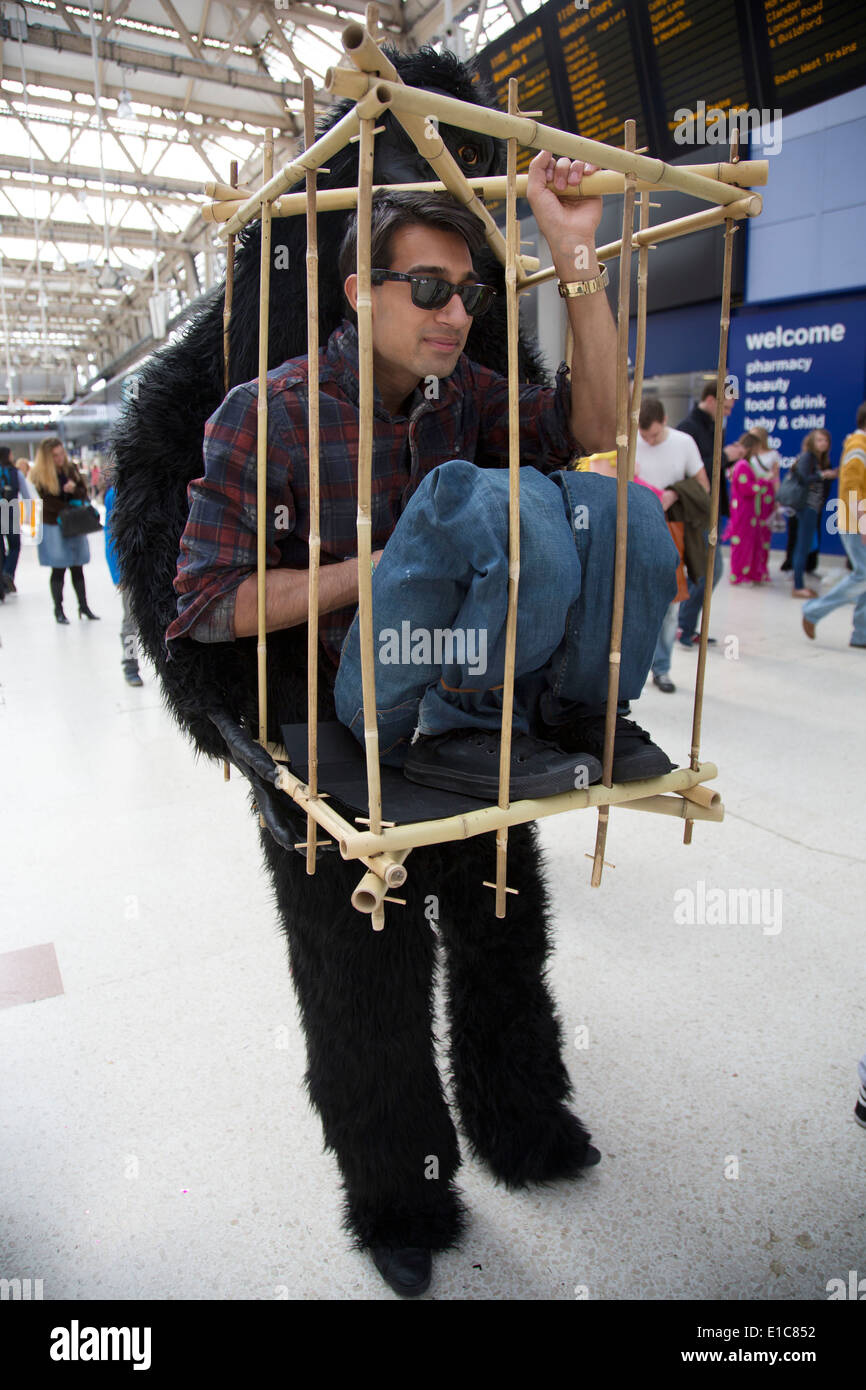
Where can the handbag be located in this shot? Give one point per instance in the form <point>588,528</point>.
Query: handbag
<point>793,491</point>
<point>78,519</point>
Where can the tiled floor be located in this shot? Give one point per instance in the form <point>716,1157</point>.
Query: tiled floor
<point>157,1139</point>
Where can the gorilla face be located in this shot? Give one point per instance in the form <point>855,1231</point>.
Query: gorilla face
<point>398,161</point>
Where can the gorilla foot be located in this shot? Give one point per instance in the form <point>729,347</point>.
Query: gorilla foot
<point>539,1149</point>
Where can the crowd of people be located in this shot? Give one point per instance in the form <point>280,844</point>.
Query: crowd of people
<point>677,464</point>
<point>61,486</point>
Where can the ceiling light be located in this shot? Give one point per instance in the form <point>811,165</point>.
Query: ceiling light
<point>108,278</point>
<point>124,104</point>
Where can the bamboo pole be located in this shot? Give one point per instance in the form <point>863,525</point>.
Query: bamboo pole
<point>315,540</point>
<point>365,474</point>
<point>664,231</point>
<point>228,297</point>
<point>704,796</point>
<point>640,337</point>
<point>378,853</point>
<point>605,182</point>
<point>675,806</point>
<point>354,843</point>
<point>367,55</point>
<point>512,310</point>
<point>622,449</point>
<point>403,100</point>
<point>220,191</point>
<point>318,154</point>
<point>229,294</point>
<point>715,490</point>
<point>262,445</point>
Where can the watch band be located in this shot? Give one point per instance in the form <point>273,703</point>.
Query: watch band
<point>577,287</point>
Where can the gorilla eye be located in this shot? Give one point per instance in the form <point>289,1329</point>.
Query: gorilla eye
<point>468,154</point>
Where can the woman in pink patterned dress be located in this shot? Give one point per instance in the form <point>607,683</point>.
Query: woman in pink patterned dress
<point>752,499</point>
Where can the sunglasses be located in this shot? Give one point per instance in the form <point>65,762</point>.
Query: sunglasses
<point>428,293</point>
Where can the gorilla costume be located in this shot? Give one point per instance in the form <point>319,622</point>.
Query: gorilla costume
<point>365,997</point>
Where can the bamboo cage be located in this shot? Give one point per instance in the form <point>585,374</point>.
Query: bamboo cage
<point>375,87</point>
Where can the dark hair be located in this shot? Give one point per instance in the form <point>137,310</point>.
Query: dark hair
<point>5,456</point>
<point>710,388</point>
<point>861,415</point>
<point>394,210</point>
<point>652,412</point>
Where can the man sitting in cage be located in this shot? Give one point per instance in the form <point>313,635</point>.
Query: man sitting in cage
<point>439,512</point>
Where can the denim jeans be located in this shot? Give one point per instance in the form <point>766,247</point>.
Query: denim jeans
<point>661,662</point>
<point>850,589</point>
<point>440,602</point>
<point>807,522</point>
<point>690,608</point>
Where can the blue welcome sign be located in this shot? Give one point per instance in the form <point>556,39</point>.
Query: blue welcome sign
<point>796,368</point>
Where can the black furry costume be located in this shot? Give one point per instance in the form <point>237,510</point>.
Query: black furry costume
<point>365,997</point>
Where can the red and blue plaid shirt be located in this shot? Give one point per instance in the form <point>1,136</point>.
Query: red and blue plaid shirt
<point>468,418</point>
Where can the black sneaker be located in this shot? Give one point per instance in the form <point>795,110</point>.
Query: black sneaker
<point>635,756</point>
<point>467,761</point>
<point>860,1107</point>
<point>407,1271</point>
<point>664,683</point>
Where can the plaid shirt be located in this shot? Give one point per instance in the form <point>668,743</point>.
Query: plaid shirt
<point>468,420</point>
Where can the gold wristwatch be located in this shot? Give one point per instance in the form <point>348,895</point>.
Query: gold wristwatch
<point>578,287</point>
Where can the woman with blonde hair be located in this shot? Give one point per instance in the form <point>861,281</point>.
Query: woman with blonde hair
<point>752,501</point>
<point>767,459</point>
<point>57,481</point>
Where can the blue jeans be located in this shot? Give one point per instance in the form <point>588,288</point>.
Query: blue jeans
<point>807,521</point>
<point>440,602</point>
<point>850,589</point>
<point>690,607</point>
<point>661,662</point>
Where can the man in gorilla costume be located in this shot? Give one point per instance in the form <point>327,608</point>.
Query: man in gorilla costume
<point>365,997</point>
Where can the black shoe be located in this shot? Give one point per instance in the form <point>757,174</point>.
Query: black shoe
<point>786,567</point>
<point>467,761</point>
<point>86,613</point>
<point>60,616</point>
<point>664,683</point>
<point>407,1271</point>
<point>131,673</point>
<point>8,584</point>
<point>860,1107</point>
<point>635,756</point>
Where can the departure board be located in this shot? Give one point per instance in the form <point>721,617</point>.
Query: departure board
<point>602,80</point>
<point>522,53</point>
<point>816,49</point>
<point>697,51</point>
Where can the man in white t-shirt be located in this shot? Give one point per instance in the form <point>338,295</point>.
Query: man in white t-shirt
<point>664,457</point>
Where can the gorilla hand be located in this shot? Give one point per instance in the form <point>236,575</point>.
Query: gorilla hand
<point>286,822</point>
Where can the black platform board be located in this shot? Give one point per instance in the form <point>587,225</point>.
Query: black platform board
<point>343,774</point>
